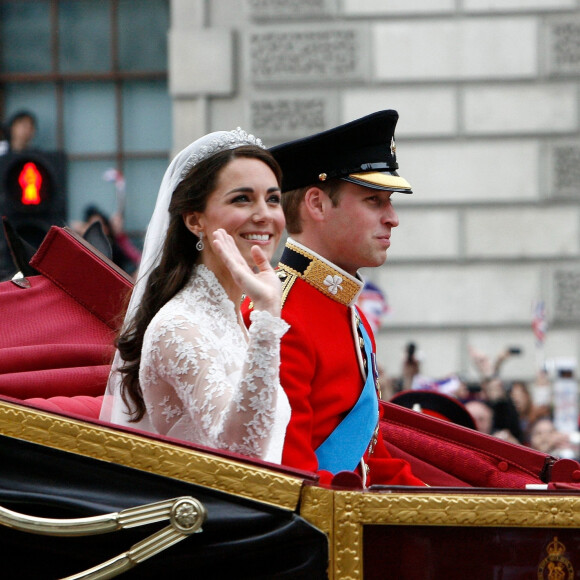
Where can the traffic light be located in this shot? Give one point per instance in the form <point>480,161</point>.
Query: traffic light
<point>32,194</point>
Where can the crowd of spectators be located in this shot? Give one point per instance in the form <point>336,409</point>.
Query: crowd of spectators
<point>501,408</point>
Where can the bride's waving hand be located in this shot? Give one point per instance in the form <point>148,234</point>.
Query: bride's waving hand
<point>261,284</point>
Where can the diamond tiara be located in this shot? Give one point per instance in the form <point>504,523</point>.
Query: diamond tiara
<point>229,140</point>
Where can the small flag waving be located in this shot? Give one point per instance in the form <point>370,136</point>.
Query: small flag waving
<point>373,302</point>
<point>115,176</point>
<point>539,322</point>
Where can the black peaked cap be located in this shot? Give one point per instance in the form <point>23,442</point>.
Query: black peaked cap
<point>436,404</point>
<point>362,151</point>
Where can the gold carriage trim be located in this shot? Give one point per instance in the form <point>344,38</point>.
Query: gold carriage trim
<point>151,455</point>
<point>185,514</point>
<point>351,511</point>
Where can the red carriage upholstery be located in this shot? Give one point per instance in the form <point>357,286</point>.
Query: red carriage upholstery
<point>57,329</point>
<point>446,454</point>
<point>82,405</point>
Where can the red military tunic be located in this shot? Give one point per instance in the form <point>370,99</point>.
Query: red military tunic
<point>322,368</point>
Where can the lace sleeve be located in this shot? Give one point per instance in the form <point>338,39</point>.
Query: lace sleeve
<point>203,382</point>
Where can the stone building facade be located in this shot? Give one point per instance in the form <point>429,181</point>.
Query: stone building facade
<point>488,93</point>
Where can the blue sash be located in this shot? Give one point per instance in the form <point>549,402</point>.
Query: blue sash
<point>343,449</point>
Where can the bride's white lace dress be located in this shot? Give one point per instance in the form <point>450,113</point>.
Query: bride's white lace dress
<point>207,380</point>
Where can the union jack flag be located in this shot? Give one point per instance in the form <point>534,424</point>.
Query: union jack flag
<point>373,302</point>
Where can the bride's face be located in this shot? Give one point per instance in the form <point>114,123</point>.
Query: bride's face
<point>247,204</point>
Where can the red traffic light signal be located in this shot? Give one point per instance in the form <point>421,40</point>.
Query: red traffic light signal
<point>30,181</point>
<point>33,192</point>
<point>29,184</point>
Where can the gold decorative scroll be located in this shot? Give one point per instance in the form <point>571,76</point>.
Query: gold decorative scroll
<point>140,452</point>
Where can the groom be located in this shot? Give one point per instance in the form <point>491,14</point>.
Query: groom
<point>337,188</point>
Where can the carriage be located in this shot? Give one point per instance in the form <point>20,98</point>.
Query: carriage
<point>81,498</point>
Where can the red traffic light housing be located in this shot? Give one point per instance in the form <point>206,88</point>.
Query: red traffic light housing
<point>29,185</point>
<point>32,196</point>
<point>30,181</point>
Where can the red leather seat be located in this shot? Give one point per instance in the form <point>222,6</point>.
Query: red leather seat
<point>81,405</point>
<point>57,329</point>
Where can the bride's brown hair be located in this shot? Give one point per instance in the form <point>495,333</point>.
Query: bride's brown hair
<point>178,256</point>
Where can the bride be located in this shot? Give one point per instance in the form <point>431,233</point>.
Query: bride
<point>186,366</point>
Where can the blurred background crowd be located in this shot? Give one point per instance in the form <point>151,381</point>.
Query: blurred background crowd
<point>541,414</point>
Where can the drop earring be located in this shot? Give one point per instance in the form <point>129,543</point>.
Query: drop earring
<point>200,245</point>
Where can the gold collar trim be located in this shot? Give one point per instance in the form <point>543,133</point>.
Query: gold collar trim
<point>329,279</point>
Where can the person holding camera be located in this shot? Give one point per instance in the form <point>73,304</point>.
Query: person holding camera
<point>506,421</point>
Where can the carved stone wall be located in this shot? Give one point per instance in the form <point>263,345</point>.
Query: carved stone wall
<point>277,9</point>
<point>565,169</point>
<point>567,296</point>
<point>564,45</point>
<point>288,116</point>
<point>488,136</point>
<point>328,54</point>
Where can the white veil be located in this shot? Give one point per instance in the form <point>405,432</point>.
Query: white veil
<point>114,409</point>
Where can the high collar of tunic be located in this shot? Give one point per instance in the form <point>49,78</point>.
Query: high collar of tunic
<point>300,261</point>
